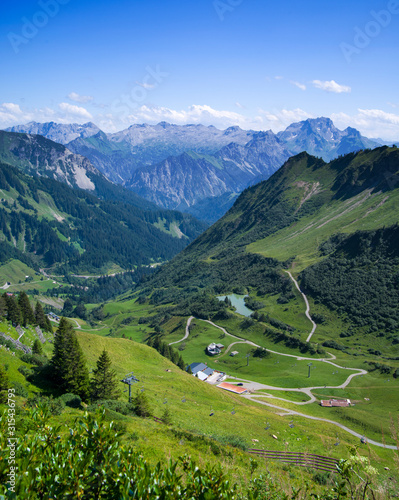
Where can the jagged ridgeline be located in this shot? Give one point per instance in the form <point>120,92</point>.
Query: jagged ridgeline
<point>46,223</point>
<point>289,221</point>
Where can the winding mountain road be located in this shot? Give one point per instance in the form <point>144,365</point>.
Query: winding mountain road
<point>307,312</point>
<point>251,385</point>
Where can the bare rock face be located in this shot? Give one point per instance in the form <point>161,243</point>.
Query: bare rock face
<point>39,156</point>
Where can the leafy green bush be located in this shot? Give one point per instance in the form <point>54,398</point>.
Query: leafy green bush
<point>116,406</point>
<point>26,372</point>
<point>106,469</point>
<point>20,390</point>
<point>54,406</point>
<point>71,400</point>
<point>34,359</point>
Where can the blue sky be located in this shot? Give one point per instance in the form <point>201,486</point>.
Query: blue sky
<point>254,63</point>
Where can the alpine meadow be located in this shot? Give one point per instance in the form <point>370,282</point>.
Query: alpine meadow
<point>199,251</point>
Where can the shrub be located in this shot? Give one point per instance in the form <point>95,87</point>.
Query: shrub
<point>113,405</point>
<point>34,359</point>
<point>55,406</point>
<point>26,371</point>
<point>71,400</point>
<point>20,390</point>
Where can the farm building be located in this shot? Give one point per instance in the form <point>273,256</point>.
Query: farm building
<point>203,372</point>
<point>329,403</point>
<point>213,349</point>
<point>232,388</point>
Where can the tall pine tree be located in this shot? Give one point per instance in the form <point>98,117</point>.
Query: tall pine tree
<point>68,361</point>
<point>28,316</point>
<point>41,319</point>
<point>104,381</point>
<point>13,310</point>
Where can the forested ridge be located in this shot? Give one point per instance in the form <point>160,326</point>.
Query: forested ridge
<point>360,278</point>
<point>74,230</point>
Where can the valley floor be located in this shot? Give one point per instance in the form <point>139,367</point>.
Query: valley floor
<point>255,387</point>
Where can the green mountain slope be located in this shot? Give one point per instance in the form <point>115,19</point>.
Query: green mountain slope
<point>288,221</point>
<point>48,223</point>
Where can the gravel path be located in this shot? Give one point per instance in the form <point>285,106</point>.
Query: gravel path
<point>187,331</point>
<point>307,312</point>
<point>254,386</point>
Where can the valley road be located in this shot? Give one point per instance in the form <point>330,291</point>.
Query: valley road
<point>251,385</point>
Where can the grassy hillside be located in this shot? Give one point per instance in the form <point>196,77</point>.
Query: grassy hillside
<point>210,425</point>
<point>290,222</point>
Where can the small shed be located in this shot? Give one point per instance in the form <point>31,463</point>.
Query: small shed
<point>232,388</point>
<point>340,403</point>
<point>233,353</point>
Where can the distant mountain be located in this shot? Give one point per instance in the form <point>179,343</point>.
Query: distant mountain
<point>320,137</point>
<point>118,155</point>
<point>184,181</point>
<point>180,166</point>
<point>38,156</point>
<point>57,132</point>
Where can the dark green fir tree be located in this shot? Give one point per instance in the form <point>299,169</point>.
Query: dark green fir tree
<point>68,362</point>
<point>104,382</point>
<point>37,348</point>
<point>28,316</point>
<point>41,319</point>
<point>13,310</point>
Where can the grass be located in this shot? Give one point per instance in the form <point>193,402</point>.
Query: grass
<point>303,243</point>
<point>15,271</point>
<point>192,425</point>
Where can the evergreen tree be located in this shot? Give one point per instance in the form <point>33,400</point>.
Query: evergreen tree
<point>166,416</point>
<point>80,311</point>
<point>3,306</point>
<point>41,319</point>
<point>4,381</point>
<point>28,316</point>
<point>104,381</point>
<point>68,307</point>
<point>181,363</point>
<point>13,311</point>
<point>68,361</point>
<point>37,348</point>
<point>141,405</point>
<point>4,384</point>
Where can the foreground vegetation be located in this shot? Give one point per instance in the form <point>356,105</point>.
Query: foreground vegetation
<point>100,466</point>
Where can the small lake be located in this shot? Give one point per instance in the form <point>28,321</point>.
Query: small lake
<point>238,302</point>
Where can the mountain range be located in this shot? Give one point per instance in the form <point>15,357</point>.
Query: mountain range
<point>57,210</point>
<point>195,168</point>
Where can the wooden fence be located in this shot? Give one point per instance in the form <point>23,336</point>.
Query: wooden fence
<point>301,459</point>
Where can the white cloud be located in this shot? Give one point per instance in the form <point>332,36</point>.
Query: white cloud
<point>73,96</point>
<point>239,105</point>
<point>148,86</point>
<point>331,86</point>
<point>76,111</point>
<point>279,120</point>
<point>298,84</point>
<point>278,77</point>
<point>11,108</point>
<point>373,123</point>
